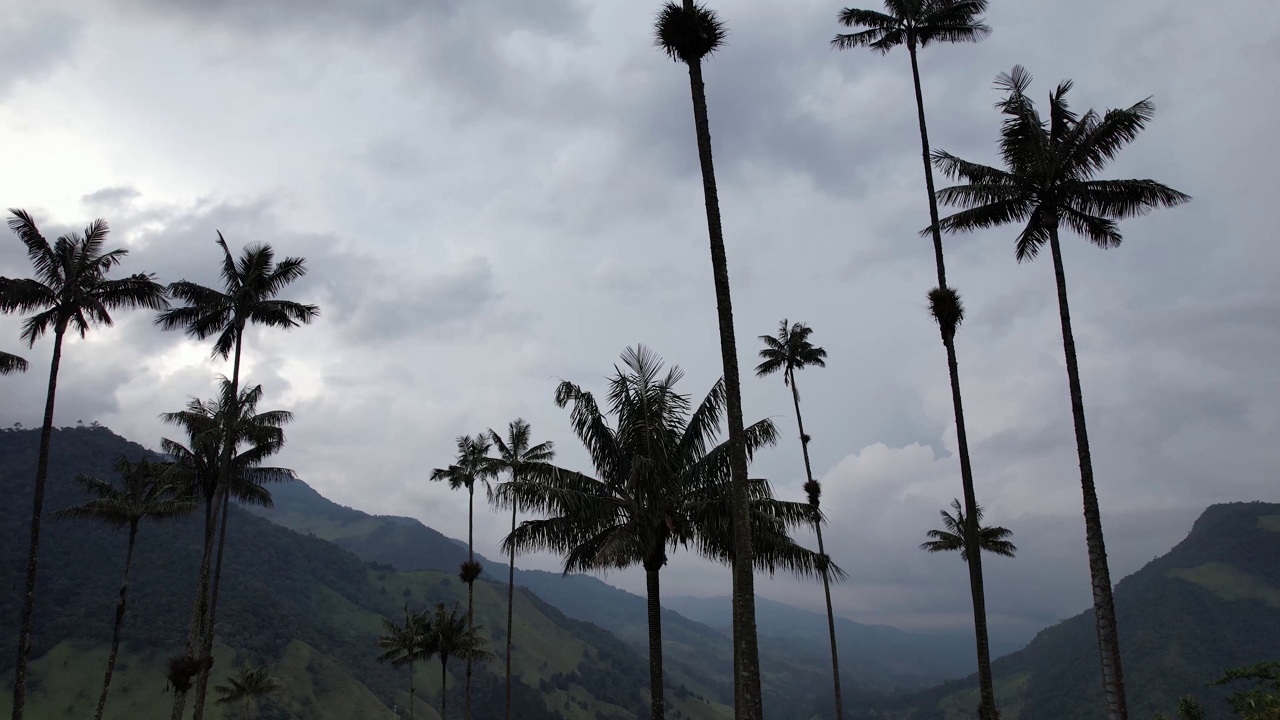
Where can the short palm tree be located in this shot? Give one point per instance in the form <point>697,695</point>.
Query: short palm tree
<point>790,350</point>
<point>1050,180</point>
<point>198,466</point>
<point>249,685</point>
<point>472,466</point>
<point>951,538</point>
<point>518,458</point>
<point>70,290</point>
<point>689,34</point>
<point>11,364</point>
<point>406,644</point>
<point>452,635</point>
<point>249,295</point>
<point>146,491</point>
<point>661,483</point>
<point>918,24</point>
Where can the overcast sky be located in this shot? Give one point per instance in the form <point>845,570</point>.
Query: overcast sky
<point>495,195</point>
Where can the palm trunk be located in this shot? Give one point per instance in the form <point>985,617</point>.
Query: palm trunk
<point>747,701</point>
<point>511,596</point>
<point>206,642</point>
<point>115,632</point>
<point>410,691</point>
<point>201,606</point>
<point>657,706</point>
<point>986,685</point>
<point>42,475</point>
<point>1104,608</point>
<point>444,686</point>
<point>471,586</point>
<point>822,550</point>
<point>224,481</point>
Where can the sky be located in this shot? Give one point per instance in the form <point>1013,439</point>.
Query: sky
<point>494,196</point>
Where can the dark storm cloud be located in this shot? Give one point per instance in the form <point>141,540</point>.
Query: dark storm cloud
<point>37,41</point>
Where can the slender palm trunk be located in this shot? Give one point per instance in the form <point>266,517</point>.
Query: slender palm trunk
<point>444,686</point>
<point>410,691</point>
<point>511,597</point>
<point>471,585</point>
<point>657,705</point>
<point>1104,608</point>
<point>747,701</point>
<point>822,550</point>
<point>200,608</point>
<point>224,471</point>
<point>986,685</point>
<point>42,475</point>
<point>115,632</point>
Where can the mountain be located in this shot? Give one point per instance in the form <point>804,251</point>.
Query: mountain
<point>1210,603</point>
<point>309,608</point>
<point>794,649</point>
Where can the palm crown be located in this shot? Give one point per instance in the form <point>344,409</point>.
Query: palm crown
<point>472,464</point>
<point>688,33</point>
<point>951,538</point>
<point>515,456</point>
<point>146,490</point>
<point>1050,172</point>
<point>249,289</point>
<point>449,636</point>
<point>198,463</point>
<point>660,481</point>
<point>914,23</point>
<point>248,684</point>
<point>407,643</point>
<point>70,287</point>
<point>788,351</point>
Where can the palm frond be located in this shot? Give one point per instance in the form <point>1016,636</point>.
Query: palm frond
<point>10,364</point>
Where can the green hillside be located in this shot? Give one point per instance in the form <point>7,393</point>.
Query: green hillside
<point>1211,603</point>
<point>794,659</point>
<point>301,603</point>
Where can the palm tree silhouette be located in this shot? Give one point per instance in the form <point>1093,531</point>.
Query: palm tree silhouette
<point>406,644</point>
<point>1049,180</point>
<point>951,538</point>
<point>146,491</point>
<point>452,636</point>
<point>70,290</point>
<point>248,685</point>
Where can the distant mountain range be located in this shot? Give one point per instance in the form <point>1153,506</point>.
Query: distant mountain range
<point>308,583</point>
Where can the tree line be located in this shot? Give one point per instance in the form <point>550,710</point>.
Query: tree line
<point>658,482</point>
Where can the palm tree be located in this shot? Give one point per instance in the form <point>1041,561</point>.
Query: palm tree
<point>406,644</point>
<point>250,287</point>
<point>146,491</point>
<point>473,465</point>
<point>197,466</point>
<point>917,24</point>
<point>453,636</point>
<point>517,458</point>
<point>1049,180</point>
<point>790,351</point>
<point>688,34</point>
<point>660,483</point>
<point>11,364</point>
<point>249,685</point>
<point>951,538</point>
<point>70,290</point>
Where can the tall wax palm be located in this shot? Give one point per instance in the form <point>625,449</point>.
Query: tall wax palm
<point>917,24</point>
<point>790,350</point>
<point>251,285</point>
<point>688,34</point>
<point>517,458</point>
<point>198,465</point>
<point>1050,179</point>
<point>146,491</point>
<point>11,364</point>
<point>452,635</point>
<point>659,483</point>
<point>249,685</point>
<point>473,465</point>
<point>951,538</point>
<point>407,644</point>
<point>70,291</point>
